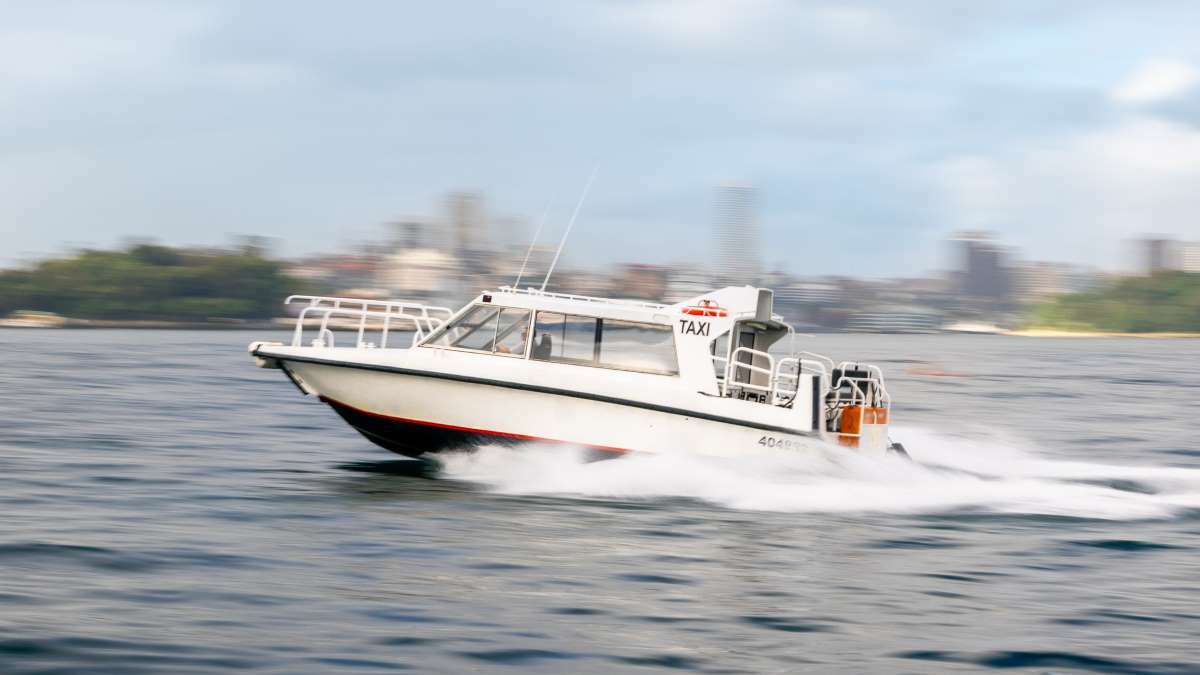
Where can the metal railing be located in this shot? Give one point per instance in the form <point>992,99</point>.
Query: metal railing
<point>733,365</point>
<point>782,375</point>
<point>790,368</point>
<point>384,315</point>
<point>855,390</point>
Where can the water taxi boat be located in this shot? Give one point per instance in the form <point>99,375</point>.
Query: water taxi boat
<point>707,375</point>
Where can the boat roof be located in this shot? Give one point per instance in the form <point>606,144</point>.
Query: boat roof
<point>738,301</point>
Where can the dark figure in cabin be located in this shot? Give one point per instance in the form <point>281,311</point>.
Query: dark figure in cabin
<point>543,347</point>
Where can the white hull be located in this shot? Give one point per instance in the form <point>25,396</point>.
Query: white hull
<point>397,405</point>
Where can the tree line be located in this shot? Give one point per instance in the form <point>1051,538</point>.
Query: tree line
<point>148,281</point>
<point>1162,302</point>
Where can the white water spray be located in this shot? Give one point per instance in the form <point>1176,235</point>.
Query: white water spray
<point>952,475</point>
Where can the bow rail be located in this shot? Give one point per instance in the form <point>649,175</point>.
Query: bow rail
<point>382,316</point>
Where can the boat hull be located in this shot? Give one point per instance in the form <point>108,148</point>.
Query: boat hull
<point>415,414</point>
<point>414,438</point>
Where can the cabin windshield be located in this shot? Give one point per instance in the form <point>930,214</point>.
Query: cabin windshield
<point>487,328</point>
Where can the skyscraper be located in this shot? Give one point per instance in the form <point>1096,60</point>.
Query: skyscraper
<point>466,222</point>
<point>985,273</point>
<point>737,234</point>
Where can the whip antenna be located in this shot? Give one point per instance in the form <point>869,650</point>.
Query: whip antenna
<point>537,233</point>
<point>570,223</point>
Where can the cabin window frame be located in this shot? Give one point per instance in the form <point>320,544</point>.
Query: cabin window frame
<point>597,342</point>
<point>500,309</point>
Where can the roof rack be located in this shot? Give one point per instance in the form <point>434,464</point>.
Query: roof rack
<point>581,298</point>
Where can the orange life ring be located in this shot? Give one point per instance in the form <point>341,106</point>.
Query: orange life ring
<point>705,308</point>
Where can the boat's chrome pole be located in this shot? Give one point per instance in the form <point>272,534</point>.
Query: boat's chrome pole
<point>570,224</point>
<point>529,251</point>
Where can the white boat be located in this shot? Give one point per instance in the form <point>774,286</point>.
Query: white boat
<point>30,319</point>
<point>972,328</point>
<point>520,365</point>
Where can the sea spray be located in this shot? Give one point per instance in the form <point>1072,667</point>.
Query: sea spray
<point>991,474</point>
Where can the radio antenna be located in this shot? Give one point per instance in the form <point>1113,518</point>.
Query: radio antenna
<point>570,224</point>
<point>537,233</point>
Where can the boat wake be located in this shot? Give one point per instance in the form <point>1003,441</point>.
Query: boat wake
<point>952,475</point>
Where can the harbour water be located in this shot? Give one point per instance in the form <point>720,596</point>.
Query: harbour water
<point>167,507</point>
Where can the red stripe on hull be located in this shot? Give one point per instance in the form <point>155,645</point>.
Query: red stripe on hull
<point>469,430</point>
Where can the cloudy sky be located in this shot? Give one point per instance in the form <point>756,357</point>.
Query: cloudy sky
<point>873,129</point>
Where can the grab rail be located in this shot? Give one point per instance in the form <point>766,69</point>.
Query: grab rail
<point>777,371</point>
<point>802,365</point>
<point>732,364</point>
<point>424,319</point>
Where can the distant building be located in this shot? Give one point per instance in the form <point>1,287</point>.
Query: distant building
<point>465,211</point>
<point>536,266</point>
<point>985,275</point>
<point>1040,281</point>
<point>642,281</point>
<point>894,320</point>
<point>582,282</point>
<point>337,271</point>
<point>1191,257</point>
<point>410,234</point>
<point>809,293</point>
<point>417,273</point>
<point>1159,255</point>
<point>737,234</point>
<point>684,283</point>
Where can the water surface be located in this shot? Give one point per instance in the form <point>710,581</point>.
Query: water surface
<point>166,507</point>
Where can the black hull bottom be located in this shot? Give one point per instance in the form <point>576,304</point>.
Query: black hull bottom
<point>414,438</point>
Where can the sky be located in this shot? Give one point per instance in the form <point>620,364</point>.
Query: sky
<point>872,130</point>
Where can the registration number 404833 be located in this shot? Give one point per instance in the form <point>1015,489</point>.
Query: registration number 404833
<point>773,442</point>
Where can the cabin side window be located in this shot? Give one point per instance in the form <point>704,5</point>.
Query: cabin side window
<point>637,346</point>
<point>564,337</point>
<point>605,343</point>
<point>486,328</point>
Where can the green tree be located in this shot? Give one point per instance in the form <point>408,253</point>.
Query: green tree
<point>148,281</point>
<point>1163,302</point>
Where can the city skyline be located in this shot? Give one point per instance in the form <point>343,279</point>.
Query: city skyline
<point>459,223</point>
<point>871,133</point>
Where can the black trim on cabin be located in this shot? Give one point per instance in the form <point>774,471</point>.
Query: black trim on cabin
<point>546,390</point>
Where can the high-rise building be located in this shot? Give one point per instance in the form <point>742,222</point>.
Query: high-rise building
<point>985,274</point>
<point>737,234</point>
<point>466,222</point>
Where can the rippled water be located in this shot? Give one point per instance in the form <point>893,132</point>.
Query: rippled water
<point>165,506</point>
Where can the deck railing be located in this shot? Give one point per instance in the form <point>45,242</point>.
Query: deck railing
<point>782,382</point>
<point>782,374</point>
<point>383,316</point>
